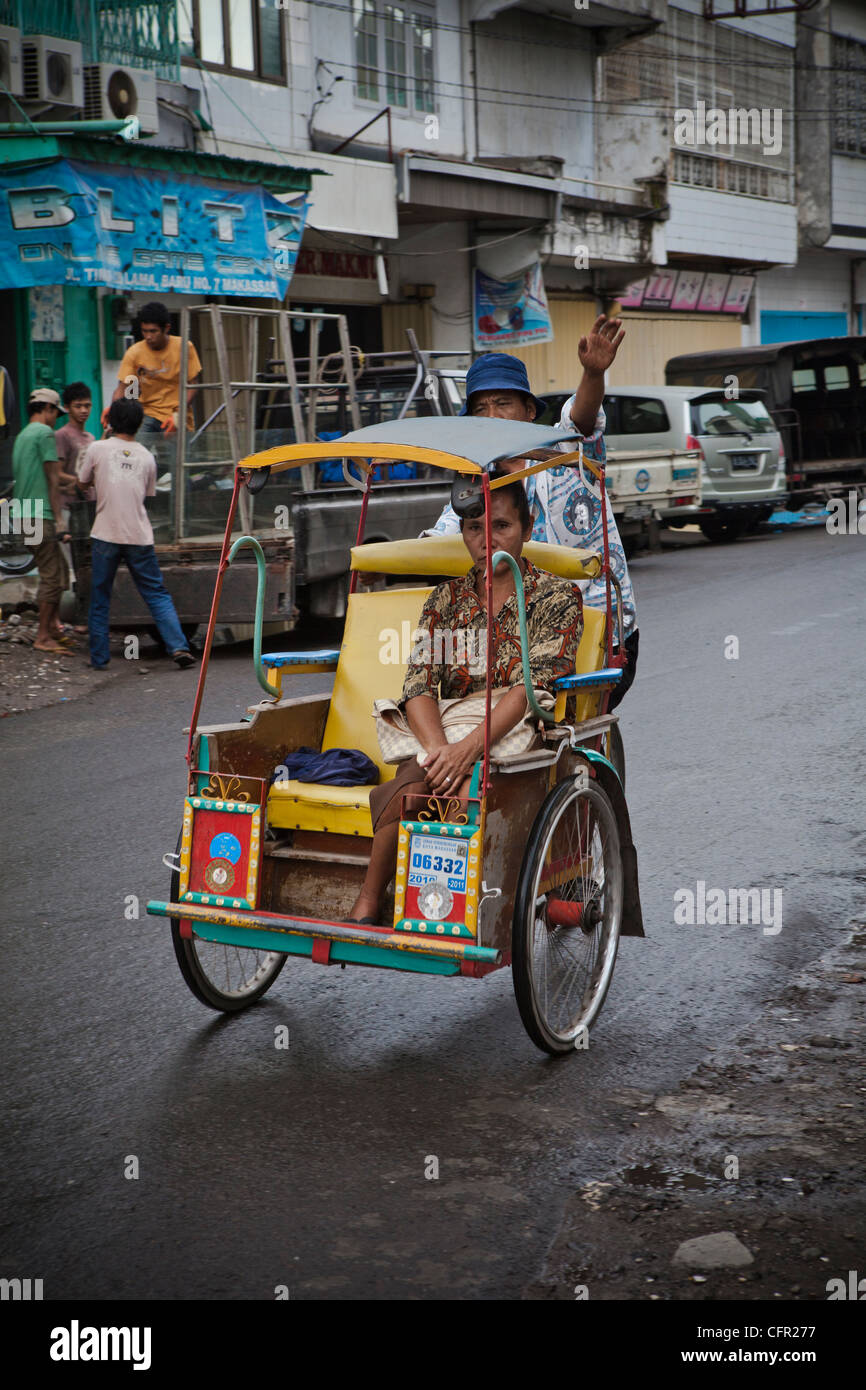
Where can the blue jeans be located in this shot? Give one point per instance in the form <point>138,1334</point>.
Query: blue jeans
<point>150,425</point>
<point>143,565</point>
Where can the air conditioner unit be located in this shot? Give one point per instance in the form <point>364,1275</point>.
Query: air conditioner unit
<point>112,92</point>
<point>10,62</point>
<point>52,70</point>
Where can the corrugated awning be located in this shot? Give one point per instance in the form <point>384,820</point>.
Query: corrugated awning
<point>30,150</point>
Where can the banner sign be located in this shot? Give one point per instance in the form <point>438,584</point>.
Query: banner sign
<point>684,290</point>
<point>134,230</point>
<point>343,265</point>
<point>511,313</point>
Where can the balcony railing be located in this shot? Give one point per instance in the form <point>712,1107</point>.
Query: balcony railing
<point>137,33</point>
<point>731,176</point>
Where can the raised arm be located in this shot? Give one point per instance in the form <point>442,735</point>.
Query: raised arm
<point>596,351</point>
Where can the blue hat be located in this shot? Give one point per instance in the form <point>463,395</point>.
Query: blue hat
<point>499,371</point>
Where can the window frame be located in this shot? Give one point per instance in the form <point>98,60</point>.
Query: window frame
<point>252,75</point>
<point>848,75</point>
<point>384,76</point>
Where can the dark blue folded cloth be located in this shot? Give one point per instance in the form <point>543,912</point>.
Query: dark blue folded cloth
<point>336,767</point>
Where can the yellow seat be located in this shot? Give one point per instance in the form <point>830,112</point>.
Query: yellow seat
<point>372,666</point>
<point>377,640</point>
<point>591,655</point>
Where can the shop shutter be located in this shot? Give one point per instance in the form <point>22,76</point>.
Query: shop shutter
<point>396,318</point>
<point>650,339</point>
<point>556,366</point>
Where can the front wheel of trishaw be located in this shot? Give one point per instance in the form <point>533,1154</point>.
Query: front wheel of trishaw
<point>227,978</point>
<point>567,916</point>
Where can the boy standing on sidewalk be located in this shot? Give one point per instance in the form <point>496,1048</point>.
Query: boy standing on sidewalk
<point>37,475</point>
<point>73,440</point>
<point>123,473</point>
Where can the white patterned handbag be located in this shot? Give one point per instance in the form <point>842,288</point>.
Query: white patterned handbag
<point>459,718</point>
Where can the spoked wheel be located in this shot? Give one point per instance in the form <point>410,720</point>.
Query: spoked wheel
<point>567,916</point>
<point>228,978</point>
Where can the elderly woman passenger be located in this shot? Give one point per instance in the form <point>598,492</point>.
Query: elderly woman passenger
<point>458,607</point>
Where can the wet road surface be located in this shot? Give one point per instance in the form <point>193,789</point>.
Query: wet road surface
<point>261,1167</point>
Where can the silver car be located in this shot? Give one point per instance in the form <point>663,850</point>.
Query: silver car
<point>743,470</point>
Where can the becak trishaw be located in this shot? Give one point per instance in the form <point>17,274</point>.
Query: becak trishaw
<point>535,868</point>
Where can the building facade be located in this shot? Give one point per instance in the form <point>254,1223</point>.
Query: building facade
<point>704,177</point>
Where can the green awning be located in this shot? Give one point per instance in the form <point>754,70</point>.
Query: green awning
<point>33,149</point>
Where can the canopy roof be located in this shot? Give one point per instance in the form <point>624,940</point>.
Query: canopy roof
<point>462,444</point>
<point>33,149</point>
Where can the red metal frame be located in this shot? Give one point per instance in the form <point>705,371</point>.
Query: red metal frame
<point>362,526</point>
<point>488,580</point>
<point>211,626</point>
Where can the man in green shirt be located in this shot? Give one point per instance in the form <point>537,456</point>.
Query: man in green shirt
<point>38,479</point>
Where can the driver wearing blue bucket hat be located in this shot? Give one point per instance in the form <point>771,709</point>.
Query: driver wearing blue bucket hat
<point>565,503</point>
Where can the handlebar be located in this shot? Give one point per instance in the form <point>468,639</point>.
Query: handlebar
<point>260,609</point>
<point>546,716</point>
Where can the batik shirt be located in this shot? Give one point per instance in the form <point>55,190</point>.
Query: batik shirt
<point>567,511</point>
<point>449,659</point>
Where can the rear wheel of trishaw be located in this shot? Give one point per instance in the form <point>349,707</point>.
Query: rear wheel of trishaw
<point>227,978</point>
<point>567,916</point>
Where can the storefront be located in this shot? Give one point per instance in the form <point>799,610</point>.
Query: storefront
<point>91,228</point>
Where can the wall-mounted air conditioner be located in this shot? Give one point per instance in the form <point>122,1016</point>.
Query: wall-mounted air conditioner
<point>52,70</point>
<point>10,62</point>
<point>112,92</point>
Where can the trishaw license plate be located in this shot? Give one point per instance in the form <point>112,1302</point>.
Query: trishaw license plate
<point>435,859</point>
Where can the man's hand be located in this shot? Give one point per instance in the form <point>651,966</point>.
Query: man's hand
<point>597,349</point>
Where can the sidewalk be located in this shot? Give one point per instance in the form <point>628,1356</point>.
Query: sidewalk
<point>32,680</point>
<point>764,1141</point>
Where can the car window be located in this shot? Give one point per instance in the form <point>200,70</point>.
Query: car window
<point>803,379</point>
<point>641,415</point>
<point>836,378</point>
<point>730,417</point>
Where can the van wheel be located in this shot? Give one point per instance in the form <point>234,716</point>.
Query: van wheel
<point>716,530</point>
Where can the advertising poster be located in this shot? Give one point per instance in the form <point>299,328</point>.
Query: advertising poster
<point>660,290</point>
<point>632,298</point>
<point>739,294</point>
<point>688,289</point>
<point>510,313</point>
<point>713,293</point>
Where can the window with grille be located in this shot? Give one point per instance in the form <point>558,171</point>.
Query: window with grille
<point>849,96</point>
<point>394,55</point>
<point>692,61</point>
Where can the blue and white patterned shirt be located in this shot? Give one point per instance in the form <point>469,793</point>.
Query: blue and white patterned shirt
<point>566,507</point>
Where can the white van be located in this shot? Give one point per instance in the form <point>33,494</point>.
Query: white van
<point>742,458</point>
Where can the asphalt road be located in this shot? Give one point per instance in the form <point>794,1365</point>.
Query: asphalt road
<point>305,1168</point>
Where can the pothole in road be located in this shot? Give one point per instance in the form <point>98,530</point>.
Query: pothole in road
<point>651,1176</point>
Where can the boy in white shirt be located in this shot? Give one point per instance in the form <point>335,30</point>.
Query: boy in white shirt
<point>123,473</point>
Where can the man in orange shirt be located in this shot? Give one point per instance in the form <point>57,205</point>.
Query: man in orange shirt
<point>155,364</point>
